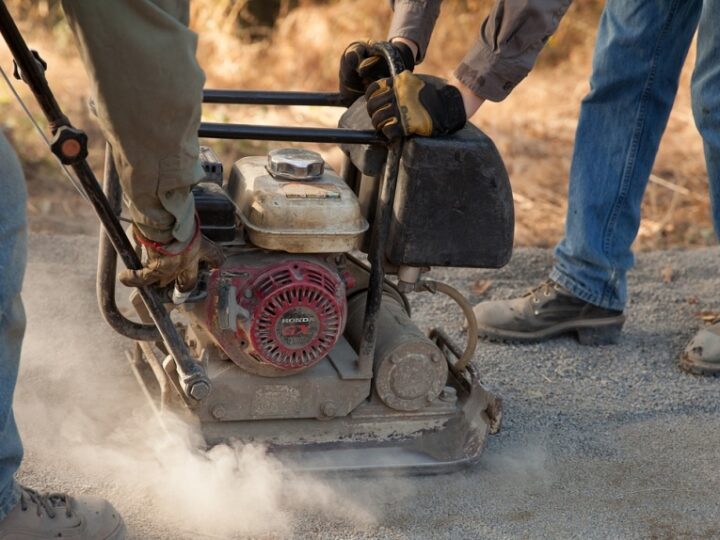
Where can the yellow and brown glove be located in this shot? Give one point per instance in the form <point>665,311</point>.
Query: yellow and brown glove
<point>359,67</point>
<point>175,261</point>
<point>415,105</point>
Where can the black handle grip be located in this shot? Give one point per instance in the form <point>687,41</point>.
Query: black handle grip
<point>391,55</point>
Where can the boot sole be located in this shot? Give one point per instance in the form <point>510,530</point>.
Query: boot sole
<point>698,368</point>
<point>589,332</point>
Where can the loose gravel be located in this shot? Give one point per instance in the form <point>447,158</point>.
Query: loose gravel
<point>597,442</point>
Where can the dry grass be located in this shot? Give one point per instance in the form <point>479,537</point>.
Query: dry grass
<point>534,128</point>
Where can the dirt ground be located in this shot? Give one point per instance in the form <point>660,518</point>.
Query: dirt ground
<point>610,442</point>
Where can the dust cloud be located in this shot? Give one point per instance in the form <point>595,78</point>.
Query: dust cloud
<point>227,490</point>
<point>86,427</point>
<point>525,466</point>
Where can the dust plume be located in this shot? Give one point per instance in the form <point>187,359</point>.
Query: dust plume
<point>226,490</point>
<point>87,427</point>
<point>525,466</point>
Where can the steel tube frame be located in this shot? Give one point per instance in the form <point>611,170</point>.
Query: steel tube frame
<point>289,134</point>
<point>381,229</point>
<point>107,266</point>
<point>265,97</point>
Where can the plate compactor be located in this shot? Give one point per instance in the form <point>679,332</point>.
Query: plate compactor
<point>299,341</point>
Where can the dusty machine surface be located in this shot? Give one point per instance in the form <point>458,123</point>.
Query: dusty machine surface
<point>306,343</point>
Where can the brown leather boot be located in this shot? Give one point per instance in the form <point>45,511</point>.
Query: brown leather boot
<point>547,311</point>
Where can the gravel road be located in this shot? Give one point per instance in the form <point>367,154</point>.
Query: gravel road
<point>610,442</point>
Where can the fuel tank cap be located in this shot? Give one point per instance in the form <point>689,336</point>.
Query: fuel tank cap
<point>295,164</point>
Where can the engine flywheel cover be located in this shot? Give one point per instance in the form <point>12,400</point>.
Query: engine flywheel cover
<point>296,324</point>
<point>276,314</point>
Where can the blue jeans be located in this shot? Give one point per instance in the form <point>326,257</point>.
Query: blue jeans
<point>640,50</point>
<point>13,249</point>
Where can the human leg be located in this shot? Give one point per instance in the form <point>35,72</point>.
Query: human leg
<point>706,98</point>
<point>13,240</point>
<point>640,50</point>
<point>702,355</point>
<point>23,512</point>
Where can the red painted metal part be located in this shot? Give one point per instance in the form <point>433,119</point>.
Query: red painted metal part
<point>297,312</point>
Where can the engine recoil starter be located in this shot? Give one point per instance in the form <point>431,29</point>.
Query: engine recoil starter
<point>276,315</point>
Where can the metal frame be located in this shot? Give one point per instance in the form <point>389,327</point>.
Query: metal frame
<point>289,134</point>
<point>480,413</point>
<point>194,383</point>
<point>107,266</point>
<point>264,97</point>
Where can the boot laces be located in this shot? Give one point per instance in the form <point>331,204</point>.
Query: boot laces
<point>545,289</point>
<point>47,502</point>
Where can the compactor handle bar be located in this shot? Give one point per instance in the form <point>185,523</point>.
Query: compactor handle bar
<point>296,134</point>
<point>264,97</point>
<point>287,134</point>
<point>290,134</point>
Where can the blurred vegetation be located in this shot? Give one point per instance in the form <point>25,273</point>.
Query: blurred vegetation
<point>250,33</point>
<point>296,44</point>
<point>233,14</point>
<point>252,19</point>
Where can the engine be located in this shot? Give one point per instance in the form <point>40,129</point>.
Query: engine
<point>290,357</point>
<point>278,305</point>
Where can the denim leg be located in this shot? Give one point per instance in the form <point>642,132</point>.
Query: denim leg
<point>640,49</point>
<point>706,98</point>
<point>13,245</point>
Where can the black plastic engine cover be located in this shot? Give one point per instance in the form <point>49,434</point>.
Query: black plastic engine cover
<point>216,212</point>
<point>453,205</point>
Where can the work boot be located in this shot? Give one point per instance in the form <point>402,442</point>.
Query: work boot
<point>57,515</point>
<point>546,311</point>
<point>702,354</point>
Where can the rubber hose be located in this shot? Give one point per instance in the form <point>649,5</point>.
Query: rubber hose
<point>472,328</point>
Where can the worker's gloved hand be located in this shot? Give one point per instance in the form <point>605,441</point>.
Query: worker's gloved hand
<point>175,261</point>
<point>415,105</point>
<point>359,67</point>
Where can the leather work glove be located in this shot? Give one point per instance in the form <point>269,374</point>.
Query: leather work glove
<point>359,67</point>
<point>174,261</point>
<point>415,105</point>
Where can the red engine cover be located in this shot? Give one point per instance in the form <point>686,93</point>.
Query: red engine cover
<point>278,316</point>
